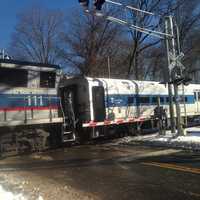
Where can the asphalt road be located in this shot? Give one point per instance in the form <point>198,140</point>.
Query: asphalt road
<point>104,171</point>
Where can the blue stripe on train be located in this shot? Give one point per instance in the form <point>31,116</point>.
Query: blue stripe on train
<point>22,100</point>
<point>123,100</point>
<point>118,100</point>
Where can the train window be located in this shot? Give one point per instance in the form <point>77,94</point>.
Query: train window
<point>13,77</point>
<point>195,96</point>
<point>98,103</point>
<point>144,99</point>
<point>167,99</point>
<point>154,100</point>
<point>162,99</point>
<point>130,100</point>
<point>198,96</point>
<point>186,99</point>
<point>47,79</point>
<point>181,99</point>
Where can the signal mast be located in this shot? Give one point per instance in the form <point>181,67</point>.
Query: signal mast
<point>171,38</point>
<point>4,55</point>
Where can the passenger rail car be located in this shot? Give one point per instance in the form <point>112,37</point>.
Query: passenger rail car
<point>28,96</point>
<point>99,104</point>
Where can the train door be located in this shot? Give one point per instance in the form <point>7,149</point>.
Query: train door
<point>69,98</point>
<point>197,100</point>
<point>98,103</point>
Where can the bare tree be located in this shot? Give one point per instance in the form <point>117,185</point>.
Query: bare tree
<point>188,20</point>
<point>140,42</point>
<point>187,17</point>
<point>36,35</point>
<point>87,43</point>
<point>136,55</point>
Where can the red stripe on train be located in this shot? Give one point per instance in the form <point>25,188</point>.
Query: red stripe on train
<point>93,124</point>
<point>29,108</point>
<point>120,121</point>
<point>117,121</point>
<point>107,122</point>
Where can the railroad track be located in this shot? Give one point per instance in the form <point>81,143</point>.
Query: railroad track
<point>37,141</point>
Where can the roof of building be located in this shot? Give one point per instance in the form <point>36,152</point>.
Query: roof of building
<point>27,63</point>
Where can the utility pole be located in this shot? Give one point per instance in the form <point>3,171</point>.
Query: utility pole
<point>181,70</point>
<point>173,59</point>
<point>3,55</point>
<point>171,105</point>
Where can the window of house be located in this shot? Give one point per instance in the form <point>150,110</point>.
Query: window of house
<point>47,79</point>
<point>13,77</point>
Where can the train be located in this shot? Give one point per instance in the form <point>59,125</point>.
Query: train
<point>41,108</point>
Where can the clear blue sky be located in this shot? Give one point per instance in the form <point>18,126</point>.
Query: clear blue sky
<point>10,8</point>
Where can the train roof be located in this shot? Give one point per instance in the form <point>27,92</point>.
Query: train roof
<point>27,63</point>
<point>121,80</point>
<point>191,86</point>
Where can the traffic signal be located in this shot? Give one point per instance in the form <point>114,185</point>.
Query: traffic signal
<point>84,3</point>
<point>98,4</point>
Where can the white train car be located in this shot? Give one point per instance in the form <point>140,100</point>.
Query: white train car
<point>194,108</point>
<point>97,102</point>
<point>150,91</point>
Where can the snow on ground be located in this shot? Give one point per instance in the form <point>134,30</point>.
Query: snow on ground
<point>5,195</point>
<point>191,140</point>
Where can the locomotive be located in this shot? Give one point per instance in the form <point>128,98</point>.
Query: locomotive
<point>41,108</point>
<point>29,105</point>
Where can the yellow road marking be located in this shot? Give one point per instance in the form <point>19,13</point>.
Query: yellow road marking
<point>173,166</point>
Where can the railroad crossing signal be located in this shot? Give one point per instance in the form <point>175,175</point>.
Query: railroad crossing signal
<point>177,70</point>
<point>176,61</point>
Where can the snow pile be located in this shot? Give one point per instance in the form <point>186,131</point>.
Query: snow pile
<point>190,141</point>
<point>5,195</point>
<point>40,198</point>
<point>9,195</point>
